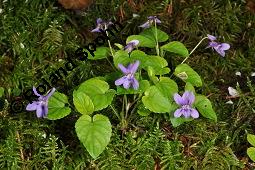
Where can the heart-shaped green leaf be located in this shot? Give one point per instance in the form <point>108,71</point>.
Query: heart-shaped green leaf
<point>143,41</point>
<point>82,102</point>
<point>138,55</point>
<point>177,48</point>
<point>57,108</point>
<point>251,139</point>
<point>187,74</point>
<point>167,87</point>
<point>251,153</point>
<point>98,91</point>
<point>94,133</point>
<point>150,33</point>
<point>121,57</point>
<point>204,107</point>
<point>100,53</point>
<point>94,86</point>
<point>155,101</point>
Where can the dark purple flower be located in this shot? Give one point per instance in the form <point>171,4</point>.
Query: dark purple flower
<point>129,76</point>
<point>101,25</point>
<point>150,21</point>
<point>41,106</point>
<point>219,47</point>
<point>185,101</point>
<point>131,45</point>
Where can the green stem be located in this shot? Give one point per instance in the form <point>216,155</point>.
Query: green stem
<point>109,43</point>
<point>194,49</point>
<point>134,108</point>
<point>126,106</point>
<point>156,36</point>
<point>115,112</point>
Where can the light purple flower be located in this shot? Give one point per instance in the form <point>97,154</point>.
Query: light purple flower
<point>185,101</point>
<point>129,76</point>
<point>218,47</point>
<point>41,106</point>
<point>131,45</point>
<point>101,25</point>
<point>150,21</point>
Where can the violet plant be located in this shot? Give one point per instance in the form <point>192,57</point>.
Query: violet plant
<point>143,86</point>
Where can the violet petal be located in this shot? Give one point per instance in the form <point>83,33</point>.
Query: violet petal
<point>134,67</point>
<point>123,69</point>
<point>35,92</point>
<point>178,113</point>
<point>135,84</point>
<point>31,107</point>
<point>194,113</point>
<point>178,99</point>
<point>39,112</point>
<point>120,81</point>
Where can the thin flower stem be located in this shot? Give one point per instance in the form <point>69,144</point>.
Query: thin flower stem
<point>115,112</point>
<point>194,49</point>
<point>156,36</point>
<point>111,63</point>
<point>109,43</point>
<point>126,106</point>
<point>134,107</point>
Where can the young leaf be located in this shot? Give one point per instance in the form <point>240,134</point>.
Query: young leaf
<point>187,74</point>
<point>119,46</point>
<point>190,87</point>
<point>94,133</point>
<point>142,110</point>
<point>82,102</point>
<point>57,108</point>
<point>251,153</point>
<point>177,48</point>
<point>251,139</point>
<point>204,107</point>
<point>151,74</point>
<point>158,64</point>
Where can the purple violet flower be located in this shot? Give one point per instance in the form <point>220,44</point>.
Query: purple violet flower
<point>150,21</point>
<point>219,47</point>
<point>41,106</point>
<point>101,25</point>
<point>185,101</point>
<point>131,45</point>
<point>129,76</point>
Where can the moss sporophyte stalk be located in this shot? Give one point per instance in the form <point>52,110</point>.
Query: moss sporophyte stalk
<point>81,53</point>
